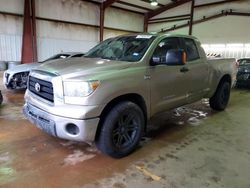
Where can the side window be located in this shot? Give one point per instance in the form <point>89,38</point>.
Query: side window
<point>163,47</point>
<point>191,49</point>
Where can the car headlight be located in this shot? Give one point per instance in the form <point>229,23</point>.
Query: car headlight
<point>79,89</point>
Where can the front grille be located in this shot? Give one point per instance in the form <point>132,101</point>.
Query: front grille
<point>46,88</point>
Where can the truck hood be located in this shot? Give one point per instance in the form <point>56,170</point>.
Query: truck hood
<point>74,67</point>
<point>22,68</point>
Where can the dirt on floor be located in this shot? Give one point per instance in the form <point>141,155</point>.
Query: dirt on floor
<point>191,147</point>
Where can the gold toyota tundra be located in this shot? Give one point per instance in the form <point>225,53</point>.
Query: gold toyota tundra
<point>108,95</point>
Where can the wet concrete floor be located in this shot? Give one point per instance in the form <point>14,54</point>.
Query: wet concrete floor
<point>191,146</point>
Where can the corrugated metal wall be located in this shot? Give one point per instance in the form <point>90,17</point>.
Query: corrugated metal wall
<point>11,30</point>
<point>54,37</point>
<point>10,47</point>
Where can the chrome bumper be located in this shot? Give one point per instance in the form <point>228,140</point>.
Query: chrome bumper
<point>56,125</point>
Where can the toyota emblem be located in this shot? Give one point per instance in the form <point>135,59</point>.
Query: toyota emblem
<point>37,87</point>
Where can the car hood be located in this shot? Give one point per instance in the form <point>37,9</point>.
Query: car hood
<point>75,67</point>
<point>22,68</point>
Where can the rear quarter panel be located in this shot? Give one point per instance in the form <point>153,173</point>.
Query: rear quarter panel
<point>220,67</point>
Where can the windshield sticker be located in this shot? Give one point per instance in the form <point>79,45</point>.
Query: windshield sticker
<point>143,36</point>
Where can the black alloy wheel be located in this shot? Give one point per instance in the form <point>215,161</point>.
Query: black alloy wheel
<point>121,130</point>
<point>126,129</point>
<point>221,97</point>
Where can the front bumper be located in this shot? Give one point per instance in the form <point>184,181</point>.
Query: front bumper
<point>57,125</point>
<point>15,81</point>
<point>6,77</point>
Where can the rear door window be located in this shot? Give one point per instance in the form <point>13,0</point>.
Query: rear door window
<point>191,49</point>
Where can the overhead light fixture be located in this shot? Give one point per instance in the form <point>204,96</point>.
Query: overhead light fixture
<point>154,2</point>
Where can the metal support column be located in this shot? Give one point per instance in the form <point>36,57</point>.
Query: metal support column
<point>191,18</point>
<point>101,21</point>
<point>145,29</point>
<point>29,33</point>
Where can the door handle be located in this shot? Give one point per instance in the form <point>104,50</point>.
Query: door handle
<point>147,77</point>
<point>184,69</point>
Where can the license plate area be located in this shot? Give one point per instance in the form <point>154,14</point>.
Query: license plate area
<point>40,120</point>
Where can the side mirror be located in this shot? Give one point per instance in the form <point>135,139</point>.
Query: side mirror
<point>176,57</point>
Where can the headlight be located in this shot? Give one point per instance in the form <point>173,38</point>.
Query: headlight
<point>79,89</point>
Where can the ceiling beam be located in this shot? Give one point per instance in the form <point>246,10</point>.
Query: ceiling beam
<point>214,3</point>
<point>108,3</point>
<point>170,17</point>
<point>127,9</point>
<point>204,19</point>
<point>238,14</point>
<point>134,5</point>
<point>120,8</point>
<point>168,21</point>
<point>167,7</point>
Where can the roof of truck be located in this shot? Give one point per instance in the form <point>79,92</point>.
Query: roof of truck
<point>159,34</point>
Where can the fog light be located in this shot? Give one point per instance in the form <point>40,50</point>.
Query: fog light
<point>72,129</point>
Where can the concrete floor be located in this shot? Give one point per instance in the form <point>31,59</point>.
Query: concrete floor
<point>191,146</point>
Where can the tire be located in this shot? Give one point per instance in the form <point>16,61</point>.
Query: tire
<point>121,130</point>
<point>221,97</point>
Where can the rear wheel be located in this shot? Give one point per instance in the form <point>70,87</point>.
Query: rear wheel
<point>221,97</point>
<point>121,130</point>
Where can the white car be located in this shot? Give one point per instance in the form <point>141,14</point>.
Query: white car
<point>16,77</point>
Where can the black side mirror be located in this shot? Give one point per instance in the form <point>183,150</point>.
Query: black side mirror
<point>176,57</point>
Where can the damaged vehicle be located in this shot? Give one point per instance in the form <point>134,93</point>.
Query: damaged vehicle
<point>16,77</point>
<point>243,75</point>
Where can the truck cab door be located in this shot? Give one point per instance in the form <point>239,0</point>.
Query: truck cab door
<point>197,70</point>
<point>168,86</point>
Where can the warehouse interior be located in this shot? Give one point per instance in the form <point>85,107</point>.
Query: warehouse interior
<point>189,146</point>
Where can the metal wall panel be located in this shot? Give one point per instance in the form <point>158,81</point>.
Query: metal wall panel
<point>10,36</point>
<point>123,20</point>
<point>50,46</point>
<point>232,50</point>
<point>10,47</point>
<point>54,38</point>
<point>13,6</point>
<point>68,10</point>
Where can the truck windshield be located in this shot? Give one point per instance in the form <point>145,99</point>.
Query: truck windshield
<point>125,48</point>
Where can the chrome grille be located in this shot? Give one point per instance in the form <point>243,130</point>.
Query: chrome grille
<point>45,90</point>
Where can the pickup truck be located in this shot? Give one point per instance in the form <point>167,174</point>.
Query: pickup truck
<point>108,95</point>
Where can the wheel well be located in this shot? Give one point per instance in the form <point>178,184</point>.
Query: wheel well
<point>135,98</point>
<point>226,78</point>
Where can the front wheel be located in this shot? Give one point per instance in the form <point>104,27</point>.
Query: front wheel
<point>221,97</point>
<point>121,130</point>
